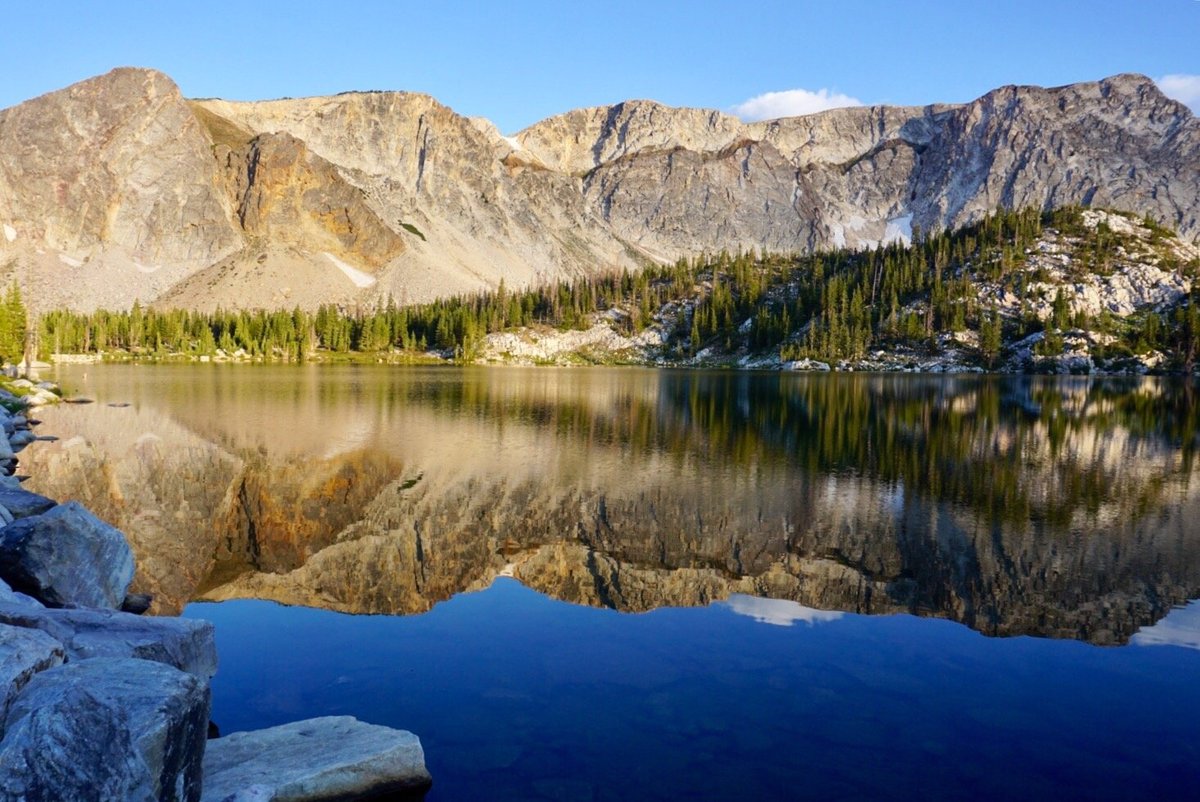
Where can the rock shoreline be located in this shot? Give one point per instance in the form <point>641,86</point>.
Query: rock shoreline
<point>100,703</point>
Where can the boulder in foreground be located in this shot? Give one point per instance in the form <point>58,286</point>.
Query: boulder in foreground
<point>23,504</point>
<point>319,760</point>
<point>23,653</point>
<point>67,557</point>
<point>106,730</point>
<point>183,643</point>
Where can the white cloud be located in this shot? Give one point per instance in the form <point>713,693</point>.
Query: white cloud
<point>1184,88</point>
<point>780,612</point>
<point>1180,627</point>
<point>792,103</point>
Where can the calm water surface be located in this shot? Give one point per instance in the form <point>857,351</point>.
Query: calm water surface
<point>628,584</point>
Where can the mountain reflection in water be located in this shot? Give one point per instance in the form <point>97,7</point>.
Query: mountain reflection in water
<point>1059,507</point>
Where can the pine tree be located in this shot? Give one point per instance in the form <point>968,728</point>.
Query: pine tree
<point>13,322</point>
<point>990,337</point>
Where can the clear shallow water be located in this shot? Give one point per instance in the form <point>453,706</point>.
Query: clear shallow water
<point>718,573</point>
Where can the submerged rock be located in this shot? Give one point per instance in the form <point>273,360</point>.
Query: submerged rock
<point>23,653</point>
<point>102,730</point>
<point>67,556</point>
<point>183,643</point>
<point>332,758</point>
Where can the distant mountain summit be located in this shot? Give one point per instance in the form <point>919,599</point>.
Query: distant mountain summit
<point>119,189</point>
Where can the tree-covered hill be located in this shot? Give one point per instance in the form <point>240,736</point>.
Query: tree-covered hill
<point>1067,290</point>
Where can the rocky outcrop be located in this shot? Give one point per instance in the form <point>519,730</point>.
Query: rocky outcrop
<point>10,596</point>
<point>117,189</point>
<point>182,643</point>
<point>105,730</point>
<point>320,760</point>
<point>67,556</point>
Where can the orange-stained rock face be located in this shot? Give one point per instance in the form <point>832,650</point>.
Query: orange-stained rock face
<point>287,195</point>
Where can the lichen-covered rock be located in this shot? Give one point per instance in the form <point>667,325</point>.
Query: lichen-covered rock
<point>67,556</point>
<point>332,758</point>
<point>183,643</point>
<point>105,730</point>
<point>23,653</point>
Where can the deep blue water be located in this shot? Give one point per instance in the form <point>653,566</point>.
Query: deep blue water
<point>518,696</point>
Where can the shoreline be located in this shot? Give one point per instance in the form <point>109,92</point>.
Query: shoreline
<point>763,367</point>
<point>123,699</point>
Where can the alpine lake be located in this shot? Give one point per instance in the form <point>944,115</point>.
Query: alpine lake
<point>628,584</point>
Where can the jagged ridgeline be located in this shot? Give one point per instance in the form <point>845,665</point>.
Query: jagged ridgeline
<point>1070,289</point>
<point>118,189</point>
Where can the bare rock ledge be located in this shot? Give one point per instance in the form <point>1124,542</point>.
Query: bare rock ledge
<point>320,760</point>
<point>183,643</point>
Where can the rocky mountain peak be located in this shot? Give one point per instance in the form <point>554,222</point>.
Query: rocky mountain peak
<point>578,141</point>
<point>117,188</point>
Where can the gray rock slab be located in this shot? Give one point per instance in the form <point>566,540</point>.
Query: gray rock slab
<point>318,760</point>
<point>10,596</point>
<point>23,504</point>
<point>183,643</point>
<point>66,556</point>
<point>23,653</point>
<point>106,729</point>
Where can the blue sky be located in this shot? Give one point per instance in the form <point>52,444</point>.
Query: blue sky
<point>517,62</point>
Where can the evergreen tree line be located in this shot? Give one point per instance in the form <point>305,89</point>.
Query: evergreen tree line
<point>831,305</point>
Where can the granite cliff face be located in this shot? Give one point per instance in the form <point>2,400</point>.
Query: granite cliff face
<point>118,189</point>
<point>673,180</point>
<point>109,192</point>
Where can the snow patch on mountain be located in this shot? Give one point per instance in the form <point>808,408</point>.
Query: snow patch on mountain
<point>357,276</point>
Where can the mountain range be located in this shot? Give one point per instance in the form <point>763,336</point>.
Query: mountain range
<point>118,189</point>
